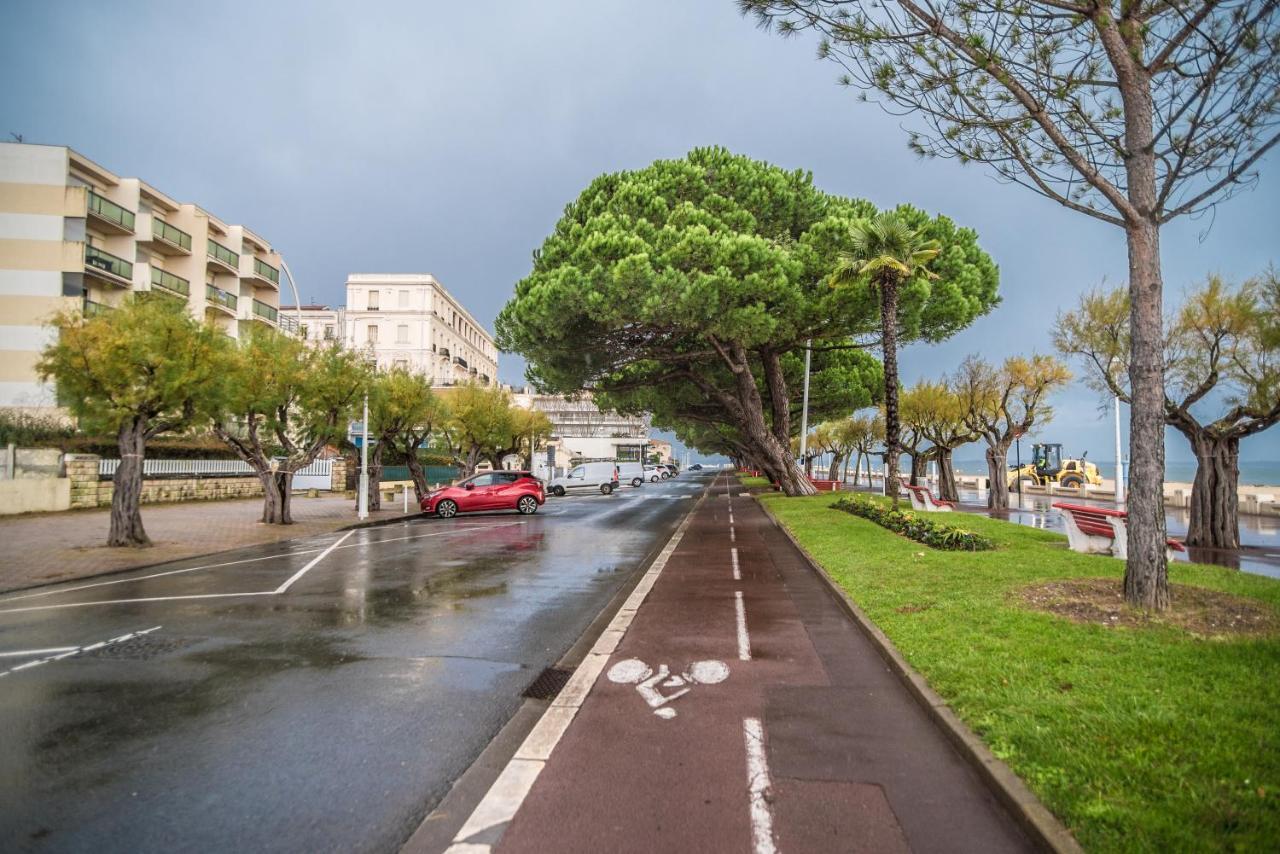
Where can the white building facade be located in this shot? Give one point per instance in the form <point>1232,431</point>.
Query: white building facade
<point>582,430</point>
<point>409,320</point>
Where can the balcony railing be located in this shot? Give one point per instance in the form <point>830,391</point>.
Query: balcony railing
<point>444,352</point>
<point>261,309</point>
<point>95,309</point>
<point>170,234</point>
<point>217,296</point>
<point>108,263</point>
<point>266,271</point>
<point>218,252</point>
<point>105,209</point>
<point>461,362</point>
<point>166,281</point>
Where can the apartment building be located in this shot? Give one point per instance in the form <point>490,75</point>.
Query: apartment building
<point>582,430</point>
<point>73,234</point>
<point>409,320</point>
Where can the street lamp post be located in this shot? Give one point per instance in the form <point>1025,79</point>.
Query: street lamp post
<point>804,410</point>
<point>362,501</point>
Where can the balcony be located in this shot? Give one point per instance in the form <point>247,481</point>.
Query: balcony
<point>96,309</point>
<point>260,271</point>
<point>484,378</point>
<point>109,215</point>
<point>220,299</point>
<point>223,259</point>
<point>444,353</point>
<point>169,284</point>
<point>108,268</point>
<point>459,361</point>
<point>169,240</point>
<point>264,312</point>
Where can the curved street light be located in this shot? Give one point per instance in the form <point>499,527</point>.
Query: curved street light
<point>297,300</point>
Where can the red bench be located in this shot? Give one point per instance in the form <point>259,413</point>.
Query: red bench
<point>825,485</point>
<point>922,499</point>
<point>1101,530</point>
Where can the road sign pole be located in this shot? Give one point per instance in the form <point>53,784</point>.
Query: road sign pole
<point>362,500</point>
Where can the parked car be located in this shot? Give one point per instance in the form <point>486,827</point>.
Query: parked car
<point>632,473</point>
<point>491,490</point>
<point>655,473</point>
<point>696,467</point>
<point>593,477</point>
<point>671,470</point>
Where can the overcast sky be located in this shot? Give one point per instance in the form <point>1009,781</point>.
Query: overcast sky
<point>447,137</point>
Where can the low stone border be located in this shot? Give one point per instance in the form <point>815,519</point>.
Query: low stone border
<point>1034,817</point>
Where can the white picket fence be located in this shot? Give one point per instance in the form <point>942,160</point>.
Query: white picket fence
<point>315,476</point>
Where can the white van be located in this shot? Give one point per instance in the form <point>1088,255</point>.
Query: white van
<point>588,477</point>
<point>632,473</point>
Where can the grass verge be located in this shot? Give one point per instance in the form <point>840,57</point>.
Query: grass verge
<point>1138,739</point>
<point>749,481</point>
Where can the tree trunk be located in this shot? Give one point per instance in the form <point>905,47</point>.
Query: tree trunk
<point>284,485</point>
<point>998,475</point>
<point>417,474</point>
<point>126,495</point>
<point>889,331</point>
<point>808,465</point>
<point>947,490</point>
<point>919,467</point>
<point>375,477</point>
<point>833,470</point>
<point>272,501</point>
<point>775,455</point>
<point>1215,497</point>
<point>1146,576</point>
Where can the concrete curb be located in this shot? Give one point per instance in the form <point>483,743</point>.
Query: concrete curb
<point>1034,818</point>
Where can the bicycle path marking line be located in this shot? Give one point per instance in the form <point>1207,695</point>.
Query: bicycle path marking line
<point>76,650</point>
<point>507,794</point>
<point>758,785</point>
<point>733,553</point>
<point>246,594</point>
<point>744,639</point>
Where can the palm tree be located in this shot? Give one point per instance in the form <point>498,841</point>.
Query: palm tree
<point>885,252</point>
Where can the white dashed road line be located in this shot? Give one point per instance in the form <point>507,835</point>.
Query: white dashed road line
<point>744,639</point>
<point>76,650</point>
<point>737,573</point>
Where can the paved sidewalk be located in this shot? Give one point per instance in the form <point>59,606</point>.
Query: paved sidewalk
<point>44,548</point>
<point>741,711</point>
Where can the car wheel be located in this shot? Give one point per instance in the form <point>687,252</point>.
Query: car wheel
<point>653,479</point>
<point>635,481</point>
<point>528,504</point>
<point>447,509</point>
<point>557,491</point>
<point>605,488</point>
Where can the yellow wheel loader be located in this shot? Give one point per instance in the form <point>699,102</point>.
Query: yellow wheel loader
<point>1047,466</point>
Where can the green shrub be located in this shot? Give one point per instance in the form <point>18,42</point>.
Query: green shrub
<point>915,527</point>
<point>33,430</point>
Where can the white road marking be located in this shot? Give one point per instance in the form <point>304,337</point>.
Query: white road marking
<point>648,682</point>
<point>758,785</point>
<point>27,653</point>
<point>315,560</point>
<point>282,555</point>
<point>281,589</point>
<point>744,639</point>
<point>67,652</point>
<point>732,537</point>
<point>505,797</point>
<point>737,573</point>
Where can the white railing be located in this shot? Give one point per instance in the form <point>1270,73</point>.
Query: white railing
<point>207,468</point>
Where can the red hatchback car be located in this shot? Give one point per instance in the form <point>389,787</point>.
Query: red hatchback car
<point>492,490</point>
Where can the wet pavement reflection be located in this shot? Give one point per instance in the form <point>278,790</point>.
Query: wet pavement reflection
<point>198,707</point>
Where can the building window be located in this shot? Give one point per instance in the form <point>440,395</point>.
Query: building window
<point>404,299</point>
<point>303,327</point>
<point>402,364</point>
<point>373,301</point>
<point>372,334</point>
<point>328,332</point>
<point>402,334</point>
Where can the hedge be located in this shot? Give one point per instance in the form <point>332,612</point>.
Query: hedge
<point>915,527</point>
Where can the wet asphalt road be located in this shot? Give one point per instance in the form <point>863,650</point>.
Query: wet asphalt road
<point>263,700</point>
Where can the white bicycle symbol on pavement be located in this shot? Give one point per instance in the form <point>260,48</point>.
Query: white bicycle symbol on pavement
<point>648,682</point>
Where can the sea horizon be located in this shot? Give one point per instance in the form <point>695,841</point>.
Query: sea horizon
<point>1252,473</point>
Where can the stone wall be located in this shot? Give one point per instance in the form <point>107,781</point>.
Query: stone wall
<point>88,491</point>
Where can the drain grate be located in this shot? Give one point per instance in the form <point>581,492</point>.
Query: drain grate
<point>549,683</point>
<point>142,648</point>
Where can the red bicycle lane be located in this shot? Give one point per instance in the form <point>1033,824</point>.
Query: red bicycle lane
<point>735,707</point>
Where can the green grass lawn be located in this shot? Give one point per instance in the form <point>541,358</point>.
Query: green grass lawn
<point>1142,739</point>
<point>749,481</point>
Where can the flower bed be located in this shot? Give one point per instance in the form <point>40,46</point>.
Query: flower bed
<point>915,527</point>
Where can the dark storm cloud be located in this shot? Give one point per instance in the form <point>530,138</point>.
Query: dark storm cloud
<point>447,138</point>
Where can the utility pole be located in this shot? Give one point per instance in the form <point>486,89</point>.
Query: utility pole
<point>804,411</point>
<point>362,502</point>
